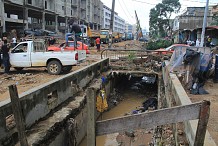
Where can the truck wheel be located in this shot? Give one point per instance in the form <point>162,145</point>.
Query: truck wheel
<point>67,69</point>
<point>54,67</point>
<point>18,68</point>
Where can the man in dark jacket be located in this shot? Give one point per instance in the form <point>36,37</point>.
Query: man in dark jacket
<point>5,50</point>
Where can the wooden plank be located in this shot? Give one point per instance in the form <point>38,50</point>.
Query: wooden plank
<point>202,123</point>
<point>91,100</point>
<point>149,120</point>
<point>16,107</point>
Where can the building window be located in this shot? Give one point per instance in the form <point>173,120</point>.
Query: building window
<point>71,12</point>
<point>30,2</point>
<point>62,7</point>
<point>46,5</point>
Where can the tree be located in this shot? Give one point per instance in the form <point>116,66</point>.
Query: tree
<point>169,7</point>
<point>160,17</point>
<point>215,20</point>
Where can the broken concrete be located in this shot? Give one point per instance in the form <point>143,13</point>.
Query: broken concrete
<point>176,95</point>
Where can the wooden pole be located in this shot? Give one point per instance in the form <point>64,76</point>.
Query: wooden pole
<point>91,102</point>
<point>202,123</point>
<point>16,107</point>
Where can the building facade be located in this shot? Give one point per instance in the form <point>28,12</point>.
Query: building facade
<point>128,28</point>
<point>50,15</point>
<point>119,23</point>
<point>188,25</point>
<point>192,18</point>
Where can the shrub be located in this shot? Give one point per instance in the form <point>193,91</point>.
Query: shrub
<point>158,44</point>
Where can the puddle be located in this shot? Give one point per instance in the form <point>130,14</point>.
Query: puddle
<point>134,92</point>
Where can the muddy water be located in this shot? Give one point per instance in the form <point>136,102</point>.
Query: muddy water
<point>130,102</point>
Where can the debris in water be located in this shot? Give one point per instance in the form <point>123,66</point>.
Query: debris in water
<point>150,80</point>
<point>150,102</point>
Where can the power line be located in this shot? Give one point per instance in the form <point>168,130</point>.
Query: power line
<point>143,2</point>
<point>199,1</point>
<point>181,4</point>
<point>126,7</point>
<point>124,11</point>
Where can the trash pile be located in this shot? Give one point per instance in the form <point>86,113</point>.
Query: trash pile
<point>193,66</point>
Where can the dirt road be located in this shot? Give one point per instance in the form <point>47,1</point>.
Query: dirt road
<point>33,77</point>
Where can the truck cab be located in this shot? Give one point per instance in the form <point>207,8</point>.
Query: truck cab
<point>104,36</point>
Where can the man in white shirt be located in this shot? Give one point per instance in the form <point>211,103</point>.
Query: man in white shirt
<point>14,41</point>
<point>197,43</point>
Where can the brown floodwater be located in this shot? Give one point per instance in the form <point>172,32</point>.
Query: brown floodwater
<point>130,102</point>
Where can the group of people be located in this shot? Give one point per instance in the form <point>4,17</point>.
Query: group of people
<point>4,50</point>
<point>208,42</point>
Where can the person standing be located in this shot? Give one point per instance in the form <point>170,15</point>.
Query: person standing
<point>98,44</point>
<point>208,41</point>
<point>5,52</point>
<point>1,43</point>
<point>14,42</point>
<point>197,44</point>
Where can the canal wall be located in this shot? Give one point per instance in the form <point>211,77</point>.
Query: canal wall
<point>176,95</point>
<point>43,100</point>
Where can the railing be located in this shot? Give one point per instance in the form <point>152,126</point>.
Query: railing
<point>116,54</point>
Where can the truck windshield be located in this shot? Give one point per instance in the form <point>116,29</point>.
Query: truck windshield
<point>20,48</point>
<point>104,33</point>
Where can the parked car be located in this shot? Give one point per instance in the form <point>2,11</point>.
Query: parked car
<point>69,47</point>
<point>143,40</point>
<point>170,49</point>
<point>50,33</point>
<point>174,46</point>
<point>33,54</point>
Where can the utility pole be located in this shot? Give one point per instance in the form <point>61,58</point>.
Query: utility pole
<point>111,25</point>
<point>204,24</point>
<point>2,12</point>
<point>23,16</point>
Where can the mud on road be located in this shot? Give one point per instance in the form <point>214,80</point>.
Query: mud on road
<point>32,77</point>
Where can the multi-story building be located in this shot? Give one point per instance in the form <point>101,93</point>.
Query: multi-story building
<point>49,14</point>
<point>188,25</point>
<point>119,23</point>
<point>191,18</point>
<point>128,28</point>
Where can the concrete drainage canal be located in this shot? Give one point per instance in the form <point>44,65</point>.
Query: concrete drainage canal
<point>133,109</point>
<point>131,94</point>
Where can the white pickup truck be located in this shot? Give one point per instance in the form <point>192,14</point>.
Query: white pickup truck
<point>34,54</point>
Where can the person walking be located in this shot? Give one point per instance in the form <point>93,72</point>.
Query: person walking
<point>98,44</point>
<point>6,62</point>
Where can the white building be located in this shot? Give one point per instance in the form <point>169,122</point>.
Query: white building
<point>119,23</point>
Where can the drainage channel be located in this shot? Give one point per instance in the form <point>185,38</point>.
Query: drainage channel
<point>127,98</point>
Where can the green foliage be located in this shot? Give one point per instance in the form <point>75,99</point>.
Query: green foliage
<point>131,56</point>
<point>159,44</point>
<point>159,21</point>
<point>215,20</point>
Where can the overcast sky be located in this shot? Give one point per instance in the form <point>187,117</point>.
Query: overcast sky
<point>126,8</point>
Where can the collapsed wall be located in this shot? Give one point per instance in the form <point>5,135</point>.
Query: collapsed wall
<point>175,95</point>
